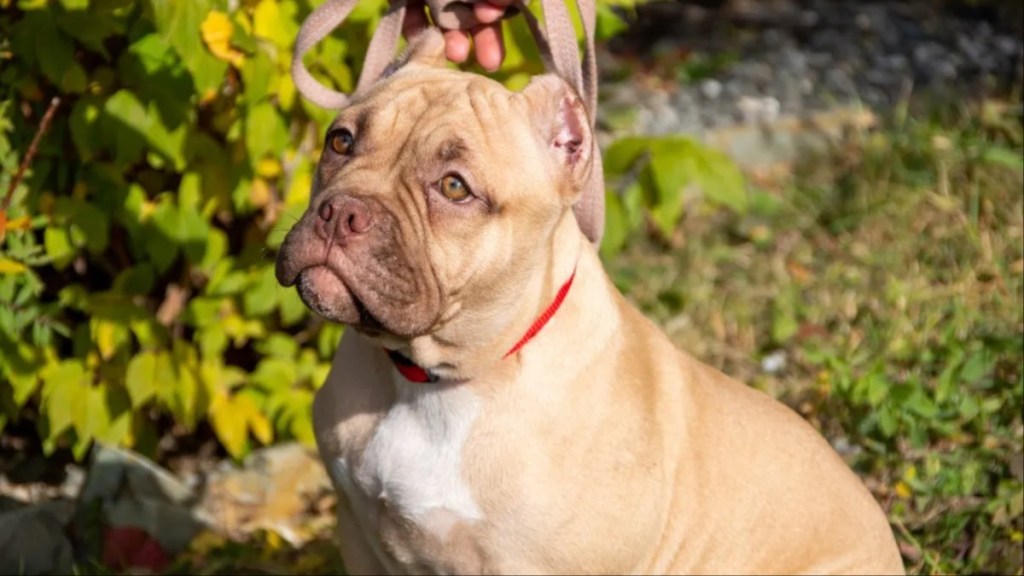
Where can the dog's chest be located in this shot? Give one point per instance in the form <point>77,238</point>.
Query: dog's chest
<point>412,465</point>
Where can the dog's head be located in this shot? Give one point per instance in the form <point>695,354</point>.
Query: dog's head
<point>437,193</point>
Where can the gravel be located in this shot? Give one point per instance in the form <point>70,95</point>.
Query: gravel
<point>795,57</point>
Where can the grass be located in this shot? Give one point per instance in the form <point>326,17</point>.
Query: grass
<point>878,292</point>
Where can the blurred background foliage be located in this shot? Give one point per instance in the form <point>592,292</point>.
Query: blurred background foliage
<point>137,292</point>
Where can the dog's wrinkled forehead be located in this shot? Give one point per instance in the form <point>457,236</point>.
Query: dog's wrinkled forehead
<point>422,78</point>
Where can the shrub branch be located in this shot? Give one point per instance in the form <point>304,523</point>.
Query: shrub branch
<point>30,154</point>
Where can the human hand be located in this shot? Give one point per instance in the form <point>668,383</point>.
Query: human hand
<point>487,39</point>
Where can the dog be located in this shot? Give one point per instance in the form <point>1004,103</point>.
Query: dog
<point>496,406</point>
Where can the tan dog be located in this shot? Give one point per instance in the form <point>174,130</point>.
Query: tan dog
<point>560,431</point>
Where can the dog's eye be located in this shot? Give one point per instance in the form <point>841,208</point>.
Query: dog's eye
<point>340,141</point>
<point>454,188</point>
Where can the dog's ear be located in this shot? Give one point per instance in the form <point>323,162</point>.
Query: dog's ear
<point>561,119</point>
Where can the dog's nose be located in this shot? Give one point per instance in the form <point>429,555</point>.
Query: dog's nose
<point>342,218</point>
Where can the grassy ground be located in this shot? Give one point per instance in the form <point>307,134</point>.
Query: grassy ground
<point>879,292</point>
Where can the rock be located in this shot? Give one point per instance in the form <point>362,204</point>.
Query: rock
<point>774,363</point>
<point>711,88</point>
<point>133,491</point>
<point>33,540</point>
<point>74,480</point>
<point>281,488</point>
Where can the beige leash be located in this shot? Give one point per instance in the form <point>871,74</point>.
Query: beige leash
<point>558,49</point>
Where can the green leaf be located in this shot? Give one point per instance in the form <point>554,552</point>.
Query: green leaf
<point>277,22</point>
<point>292,309</point>
<point>59,250</point>
<point>1002,156</point>
<point>275,374</point>
<point>784,318</point>
<point>977,366</point>
<point>137,280</point>
<point>143,376</point>
<point>261,295</point>
<point>96,21</point>
<point>616,225</point>
<point>178,24</point>
<point>670,171</point>
<point>193,233</point>
<point>56,54</point>
<point>162,236</point>
<point>257,73</point>
<point>212,341</point>
<point>65,386</point>
<point>608,23</point>
<point>180,388</point>
<point>216,249</point>
<point>124,126</point>
<point>278,345</point>
<point>720,179</point>
<point>265,131</point>
<point>225,281</point>
<point>83,123</point>
<point>623,155</point>
<point>94,223</point>
<point>110,416</point>
<point>21,364</point>
<point>108,336</point>
<point>328,339</point>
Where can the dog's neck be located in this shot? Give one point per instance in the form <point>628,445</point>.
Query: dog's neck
<point>449,359</point>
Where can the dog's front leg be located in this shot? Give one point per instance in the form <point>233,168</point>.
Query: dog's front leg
<point>356,552</point>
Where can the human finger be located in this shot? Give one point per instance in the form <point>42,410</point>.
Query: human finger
<point>488,11</point>
<point>489,45</point>
<point>456,45</point>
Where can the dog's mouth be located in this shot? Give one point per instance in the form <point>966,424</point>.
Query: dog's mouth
<point>368,323</point>
<point>328,295</point>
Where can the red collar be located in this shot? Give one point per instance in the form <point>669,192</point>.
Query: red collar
<point>415,373</point>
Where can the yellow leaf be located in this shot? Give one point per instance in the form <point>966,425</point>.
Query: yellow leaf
<point>205,542</point>
<point>274,541</point>
<point>8,266</point>
<point>106,339</point>
<point>19,223</point>
<point>285,90</point>
<point>216,31</point>
<point>257,422</point>
<point>268,168</point>
<point>260,427</point>
<point>146,210</point>
<point>259,193</point>
<point>910,474</point>
<point>902,490</point>
<point>229,425</point>
<point>302,183</point>
<point>266,19</point>
<point>207,96</point>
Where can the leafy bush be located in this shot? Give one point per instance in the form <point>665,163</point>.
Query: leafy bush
<point>135,277</point>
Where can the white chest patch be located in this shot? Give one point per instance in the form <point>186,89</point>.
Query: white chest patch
<point>414,458</point>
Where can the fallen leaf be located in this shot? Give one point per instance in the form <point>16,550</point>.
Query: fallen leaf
<point>799,272</point>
